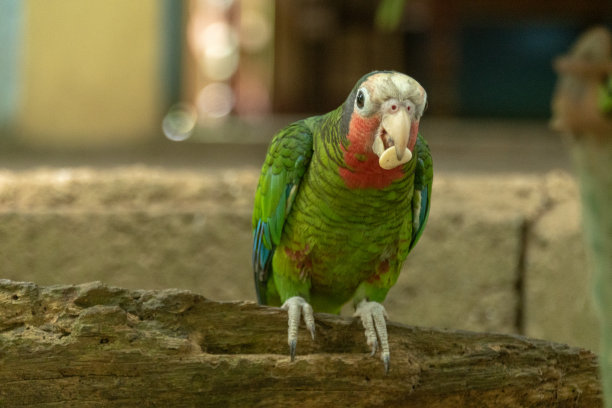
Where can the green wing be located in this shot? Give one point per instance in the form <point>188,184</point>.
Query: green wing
<point>421,200</point>
<point>286,162</point>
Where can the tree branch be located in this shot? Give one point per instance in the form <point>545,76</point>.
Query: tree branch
<point>92,345</point>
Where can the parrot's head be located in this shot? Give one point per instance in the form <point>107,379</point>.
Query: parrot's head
<point>380,119</point>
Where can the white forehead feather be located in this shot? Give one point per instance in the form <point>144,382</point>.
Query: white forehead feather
<point>385,85</point>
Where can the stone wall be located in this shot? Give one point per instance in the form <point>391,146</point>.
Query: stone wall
<point>501,253</point>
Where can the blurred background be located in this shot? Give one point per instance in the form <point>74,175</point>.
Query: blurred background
<point>131,136</point>
<point>106,73</point>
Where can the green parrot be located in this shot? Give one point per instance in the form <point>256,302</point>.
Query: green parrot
<point>342,199</point>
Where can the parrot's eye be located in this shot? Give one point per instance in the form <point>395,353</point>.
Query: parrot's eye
<point>360,99</point>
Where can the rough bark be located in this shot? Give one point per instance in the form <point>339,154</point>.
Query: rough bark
<point>91,345</point>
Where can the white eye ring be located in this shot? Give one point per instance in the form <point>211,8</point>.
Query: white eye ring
<point>361,99</point>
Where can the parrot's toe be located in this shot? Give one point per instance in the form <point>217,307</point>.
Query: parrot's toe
<point>373,344</point>
<point>373,316</point>
<point>296,307</point>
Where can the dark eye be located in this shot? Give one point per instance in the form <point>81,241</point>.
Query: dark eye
<point>360,99</point>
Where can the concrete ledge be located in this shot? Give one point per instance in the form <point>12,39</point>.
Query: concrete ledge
<point>497,255</point>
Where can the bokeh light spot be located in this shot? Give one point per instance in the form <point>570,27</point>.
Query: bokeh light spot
<point>220,54</point>
<point>215,100</point>
<point>179,123</point>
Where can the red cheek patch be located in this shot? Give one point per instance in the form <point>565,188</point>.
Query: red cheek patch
<point>363,169</point>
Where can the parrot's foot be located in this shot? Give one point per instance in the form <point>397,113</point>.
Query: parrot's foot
<point>373,316</point>
<point>295,307</point>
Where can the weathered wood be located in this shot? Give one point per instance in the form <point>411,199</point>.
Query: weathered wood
<point>91,345</point>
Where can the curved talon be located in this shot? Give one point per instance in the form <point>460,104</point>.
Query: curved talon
<point>386,358</point>
<point>373,316</point>
<point>296,306</point>
<point>292,347</point>
<point>308,314</point>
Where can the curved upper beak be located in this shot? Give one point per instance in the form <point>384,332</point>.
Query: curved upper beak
<point>397,126</point>
<point>391,145</point>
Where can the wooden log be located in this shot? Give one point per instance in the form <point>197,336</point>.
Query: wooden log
<point>92,345</point>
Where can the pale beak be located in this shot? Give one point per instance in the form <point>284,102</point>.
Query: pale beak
<point>391,145</point>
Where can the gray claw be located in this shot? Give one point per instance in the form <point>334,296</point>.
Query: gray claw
<point>386,361</point>
<point>312,332</point>
<point>292,347</point>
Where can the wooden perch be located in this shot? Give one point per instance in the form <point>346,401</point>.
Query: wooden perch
<point>92,345</point>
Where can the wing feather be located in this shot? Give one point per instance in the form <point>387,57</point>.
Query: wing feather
<point>423,179</point>
<point>286,162</point>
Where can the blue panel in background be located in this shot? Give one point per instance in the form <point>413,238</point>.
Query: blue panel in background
<point>172,42</point>
<point>506,69</point>
<point>11,19</point>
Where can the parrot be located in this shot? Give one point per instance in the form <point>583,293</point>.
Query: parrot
<point>341,200</point>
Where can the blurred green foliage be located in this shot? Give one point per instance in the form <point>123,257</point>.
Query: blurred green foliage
<point>389,14</point>
<point>605,97</point>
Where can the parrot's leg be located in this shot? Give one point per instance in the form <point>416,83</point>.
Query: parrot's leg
<point>373,316</point>
<point>296,306</point>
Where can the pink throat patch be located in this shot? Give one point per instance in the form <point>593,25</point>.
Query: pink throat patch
<point>363,169</point>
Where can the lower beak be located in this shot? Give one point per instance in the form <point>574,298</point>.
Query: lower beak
<point>391,145</point>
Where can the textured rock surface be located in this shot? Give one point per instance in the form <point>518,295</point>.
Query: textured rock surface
<point>463,273</point>
<point>477,267</point>
<point>558,302</point>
